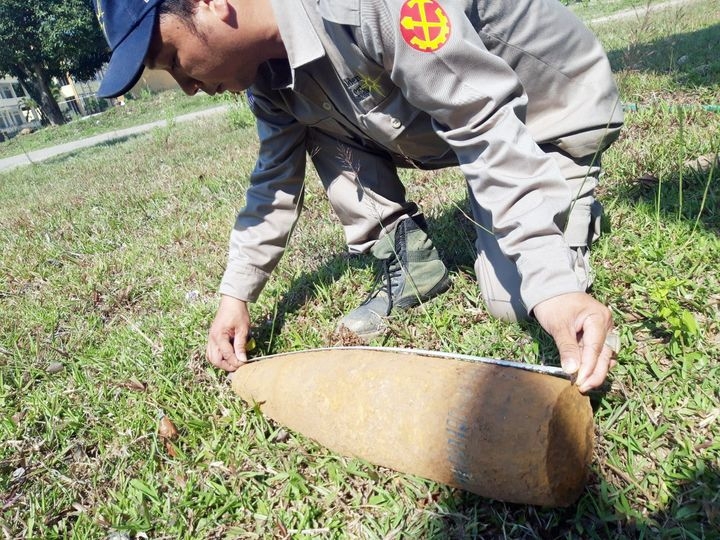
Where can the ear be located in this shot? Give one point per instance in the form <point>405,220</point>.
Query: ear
<point>221,8</point>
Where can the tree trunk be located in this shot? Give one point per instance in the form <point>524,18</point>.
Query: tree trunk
<point>30,89</point>
<point>48,104</point>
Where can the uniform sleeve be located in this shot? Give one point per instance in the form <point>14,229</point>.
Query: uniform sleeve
<point>273,202</point>
<point>477,104</point>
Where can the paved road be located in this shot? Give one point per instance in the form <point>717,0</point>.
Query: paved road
<point>35,156</point>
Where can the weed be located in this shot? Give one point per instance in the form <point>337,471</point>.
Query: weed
<point>680,323</point>
<point>239,114</point>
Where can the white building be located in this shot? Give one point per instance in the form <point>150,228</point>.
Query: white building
<point>76,99</point>
<point>15,114</point>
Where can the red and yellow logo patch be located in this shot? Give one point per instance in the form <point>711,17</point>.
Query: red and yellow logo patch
<point>424,25</point>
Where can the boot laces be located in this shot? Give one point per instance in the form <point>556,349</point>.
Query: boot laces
<point>388,281</point>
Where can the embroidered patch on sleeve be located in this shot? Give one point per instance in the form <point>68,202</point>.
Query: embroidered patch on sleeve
<point>424,25</point>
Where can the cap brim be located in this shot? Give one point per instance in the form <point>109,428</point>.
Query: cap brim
<point>126,64</point>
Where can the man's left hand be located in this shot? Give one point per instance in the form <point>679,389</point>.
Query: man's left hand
<point>579,324</point>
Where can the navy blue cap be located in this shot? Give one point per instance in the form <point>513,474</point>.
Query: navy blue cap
<point>128,26</point>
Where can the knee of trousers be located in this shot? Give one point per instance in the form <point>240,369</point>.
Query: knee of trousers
<point>584,224</point>
<point>499,283</point>
<point>500,288</point>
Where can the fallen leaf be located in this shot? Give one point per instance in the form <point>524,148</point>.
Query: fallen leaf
<point>166,429</point>
<point>709,418</point>
<point>180,480</point>
<point>8,503</point>
<point>170,448</point>
<point>54,368</point>
<point>648,179</point>
<point>134,384</point>
<point>704,163</point>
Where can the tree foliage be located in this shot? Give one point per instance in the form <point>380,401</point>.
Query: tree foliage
<point>42,40</point>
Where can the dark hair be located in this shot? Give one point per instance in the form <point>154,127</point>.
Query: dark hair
<point>183,9</point>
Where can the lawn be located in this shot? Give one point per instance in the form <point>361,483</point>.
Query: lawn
<point>111,259</point>
<point>589,10</point>
<point>147,107</point>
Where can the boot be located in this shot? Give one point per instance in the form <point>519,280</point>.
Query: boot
<point>412,273</point>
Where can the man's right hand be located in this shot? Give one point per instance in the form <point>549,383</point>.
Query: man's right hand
<point>228,334</point>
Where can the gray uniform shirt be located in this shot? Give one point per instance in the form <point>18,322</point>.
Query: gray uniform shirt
<point>375,74</point>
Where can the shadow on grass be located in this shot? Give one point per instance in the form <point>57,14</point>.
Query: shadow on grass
<point>303,289</point>
<point>690,58</point>
<point>452,233</point>
<point>691,194</point>
<point>692,511</point>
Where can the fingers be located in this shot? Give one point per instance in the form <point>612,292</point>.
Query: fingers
<point>596,374</point>
<point>224,354</point>
<point>596,356</point>
<point>569,350</point>
<point>580,326</point>
<point>588,361</point>
<point>228,335</point>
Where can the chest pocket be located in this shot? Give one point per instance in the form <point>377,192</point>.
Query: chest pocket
<point>380,114</point>
<point>311,105</point>
<point>363,91</point>
<point>388,119</point>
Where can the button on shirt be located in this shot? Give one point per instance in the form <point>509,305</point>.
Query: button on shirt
<point>351,74</point>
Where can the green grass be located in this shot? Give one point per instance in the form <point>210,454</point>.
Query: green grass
<point>169,103</point>
<point>667,57</point>
<point>110,262</point>
<point>589,10</point>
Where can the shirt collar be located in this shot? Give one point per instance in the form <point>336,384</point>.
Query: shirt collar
<point>297,31</point>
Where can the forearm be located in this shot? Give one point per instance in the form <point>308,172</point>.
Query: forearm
<point>272,205</point>
<point>259,237</point>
